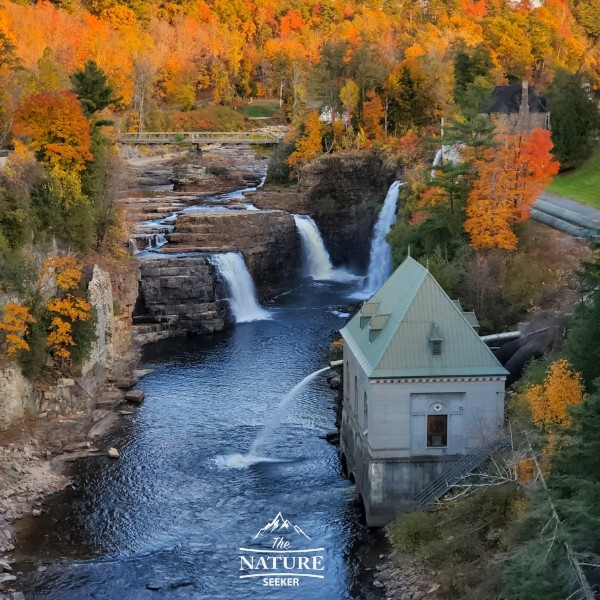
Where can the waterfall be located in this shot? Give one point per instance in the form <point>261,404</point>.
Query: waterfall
<point>159,241</point>
<point>243,301</point>
<point>316,260</point>
<point>380,258</point>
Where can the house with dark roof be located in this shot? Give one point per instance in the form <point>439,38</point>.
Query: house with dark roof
<point>421,390</point>
<point>516,108</point>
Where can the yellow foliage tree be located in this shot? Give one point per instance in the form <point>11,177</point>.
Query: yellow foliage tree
<point>15,323</point>
<point>65,307</point>
<point>309,146</point>
<point>549,401</point>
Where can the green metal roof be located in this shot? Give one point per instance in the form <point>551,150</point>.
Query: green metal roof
<point>391,335</point>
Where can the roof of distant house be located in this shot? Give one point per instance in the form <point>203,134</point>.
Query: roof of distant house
<point>507,99</point>
<point>394,333</point>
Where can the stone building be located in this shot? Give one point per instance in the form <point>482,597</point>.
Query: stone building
<point>421,390</point>
<point>516,108</point>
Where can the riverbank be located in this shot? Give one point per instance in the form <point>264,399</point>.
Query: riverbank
<point>34,460</point>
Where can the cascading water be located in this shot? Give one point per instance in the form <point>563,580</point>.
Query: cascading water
<point>159,241</point>
<point>380,258</point>
<point>243,301</point>
<point>316,260</point>
<point>239,461</point>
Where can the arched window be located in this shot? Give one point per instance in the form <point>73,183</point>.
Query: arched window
<point>366,413</point>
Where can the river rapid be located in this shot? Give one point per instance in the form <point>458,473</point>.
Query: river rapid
<point>168,519</point>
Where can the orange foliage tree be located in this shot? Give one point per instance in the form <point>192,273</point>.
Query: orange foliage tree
<point>309,145</point>
<point>372,116</point>
<point>549,401</point>
<point>15,323</point>
<point>490,214</point>
<point>510,177</point>
<point>56,129</point>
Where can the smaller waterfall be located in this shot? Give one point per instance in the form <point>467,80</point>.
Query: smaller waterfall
<point>243,301</point>
<point>159,241</point>
<point>133,247</point>
<point>316,260</point>
<point>380,261</point>
<point>267,430</point>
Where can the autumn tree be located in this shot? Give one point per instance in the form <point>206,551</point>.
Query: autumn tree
<point>55,128</point>
<point>490,215</point>
<point>372,116</point>
<point>349,95</point>
<point>15,324</point>
<point>309,144</point>
<point>549,401</point>
<point>510,177</point>
<point>68,306</point>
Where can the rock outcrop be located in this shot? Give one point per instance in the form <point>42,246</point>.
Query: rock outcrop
<point>113,298</point>
<point>267,239</point>
<point>179,295</point>
<point>341,192</point>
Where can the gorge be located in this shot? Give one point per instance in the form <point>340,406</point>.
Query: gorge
<point>170,514</point>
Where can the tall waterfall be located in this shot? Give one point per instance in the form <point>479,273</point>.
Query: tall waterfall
<point>316,260</point>
<point>380,258</point>
<point>243,301</point>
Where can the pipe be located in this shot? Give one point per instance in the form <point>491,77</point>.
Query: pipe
<point>336,363</point>
<point>500,337</point>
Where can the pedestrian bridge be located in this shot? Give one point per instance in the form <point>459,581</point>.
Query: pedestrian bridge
<point>198,137</point>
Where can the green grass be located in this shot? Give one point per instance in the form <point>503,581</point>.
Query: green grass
<point>583,184</point>
<point>261,109</point>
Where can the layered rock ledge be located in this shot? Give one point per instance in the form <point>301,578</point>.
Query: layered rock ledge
<point>267,239</point>
<point>179,295</point>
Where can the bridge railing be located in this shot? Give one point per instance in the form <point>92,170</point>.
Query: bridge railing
<point>198,137</point>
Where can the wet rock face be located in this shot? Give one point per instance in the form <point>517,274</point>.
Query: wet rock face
<point>341,192</point>
<point>267,239</point>
<point>179,295</point>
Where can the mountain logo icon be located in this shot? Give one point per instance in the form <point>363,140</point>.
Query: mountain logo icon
<point>280,525</point>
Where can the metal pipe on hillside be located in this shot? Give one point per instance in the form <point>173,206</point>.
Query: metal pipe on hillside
<point>500,337</point>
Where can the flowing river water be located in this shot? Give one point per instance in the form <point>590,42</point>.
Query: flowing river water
<point>168,518</point>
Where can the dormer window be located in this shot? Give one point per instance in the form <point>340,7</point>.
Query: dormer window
<point>435,340</point>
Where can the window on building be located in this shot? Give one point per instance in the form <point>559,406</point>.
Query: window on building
<point>347,380</point>
<point>436,347</point>
<point>366,414</point>
<point>437,431</point>
<point>356,396</point>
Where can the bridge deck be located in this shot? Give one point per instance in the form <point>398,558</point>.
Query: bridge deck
<point>198,137</point>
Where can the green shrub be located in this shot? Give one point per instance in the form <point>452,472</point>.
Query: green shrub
<point>413,530</point>
<point>278,171</point>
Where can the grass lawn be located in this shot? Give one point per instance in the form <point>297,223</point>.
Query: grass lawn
<point>258,108</point>
<point>583,184</point>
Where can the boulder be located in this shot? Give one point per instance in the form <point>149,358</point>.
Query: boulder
<point>136,396</point>
<point>113,453</point>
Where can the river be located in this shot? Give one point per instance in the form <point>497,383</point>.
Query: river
<point>170,514</point>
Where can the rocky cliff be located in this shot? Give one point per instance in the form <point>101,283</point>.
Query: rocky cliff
<point>342,192</point>
<point>267,239</point>
<point>113,356</point>
<point>179,295</point>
